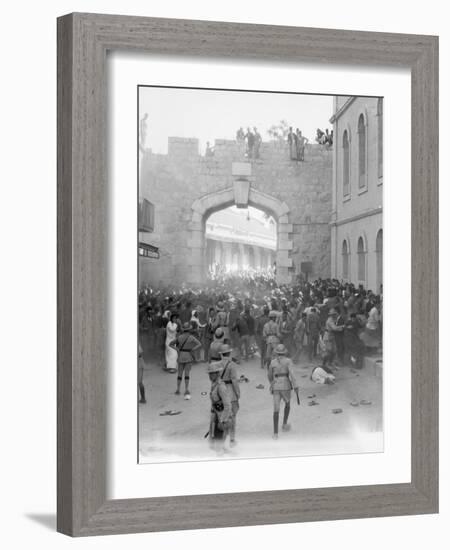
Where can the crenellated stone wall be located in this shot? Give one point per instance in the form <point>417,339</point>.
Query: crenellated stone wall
<point>186,187</point>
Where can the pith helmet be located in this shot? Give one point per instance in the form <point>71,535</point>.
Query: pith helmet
<point>272,313</point>
<point>332,312</point>
<point>186,326</point>
<point>219,332</point>
<point>225,349</point>
<point>214,367</point>
<point>280,349</point>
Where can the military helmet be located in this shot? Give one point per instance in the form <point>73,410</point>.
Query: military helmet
<point>225,348</point>
<point>214,367</point>
<point>281,349</point>
<point>219,332</point>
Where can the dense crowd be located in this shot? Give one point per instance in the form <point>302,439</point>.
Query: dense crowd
<point>239,315</point>
<point>242,304</point>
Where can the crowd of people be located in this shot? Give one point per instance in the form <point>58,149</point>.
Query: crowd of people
<point>295,139</point>
<point>324,138</point>
<point>237,316</point>
<point>249,277</point>
<point>252,139</point>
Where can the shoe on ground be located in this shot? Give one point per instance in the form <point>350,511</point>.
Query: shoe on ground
<point>233,443</point>
<point>177,392</point>
<point>286,427</point>
<point>187,396</point>
<point>275,436</point>
<point>142,401</point>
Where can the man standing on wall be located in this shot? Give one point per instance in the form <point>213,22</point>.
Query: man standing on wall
<point>257,143</point>
<point>250,143</point>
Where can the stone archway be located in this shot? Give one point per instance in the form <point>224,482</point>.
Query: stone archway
<point>242,195</point>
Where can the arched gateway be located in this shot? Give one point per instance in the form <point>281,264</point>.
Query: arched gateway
<point>242,195</point>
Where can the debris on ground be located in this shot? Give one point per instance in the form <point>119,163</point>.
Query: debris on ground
<point>312,403</point>
<point>365,402</point>
<point>311,396</point>
<point>204,393</point>
<point>336,411</point>
<point>304,375</point>
<point>354,403</point>
<point>169,413</point>
<point>260,387</point>
<point>243,379</point>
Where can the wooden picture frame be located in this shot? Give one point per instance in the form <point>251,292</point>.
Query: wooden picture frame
<point>83,41</point>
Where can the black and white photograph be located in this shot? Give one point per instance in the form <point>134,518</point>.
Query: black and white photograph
<point>260,274</point>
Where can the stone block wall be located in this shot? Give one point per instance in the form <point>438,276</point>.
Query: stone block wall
<point>174,182</point>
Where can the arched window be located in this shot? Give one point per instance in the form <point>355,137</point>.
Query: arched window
<point>362,151</point>
<point>380,136</point>
<point>361,260</point>
<point>345,260</point>
<point>379,258</point>
<point>346,163</point>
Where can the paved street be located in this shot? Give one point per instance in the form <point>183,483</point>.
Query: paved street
<point>316,430</point>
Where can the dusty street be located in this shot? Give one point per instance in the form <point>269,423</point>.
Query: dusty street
<point>316,430</point>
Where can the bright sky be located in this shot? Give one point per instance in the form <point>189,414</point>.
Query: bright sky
<point>214,114</point>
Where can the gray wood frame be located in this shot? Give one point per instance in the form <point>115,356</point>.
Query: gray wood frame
<point>83,40</point>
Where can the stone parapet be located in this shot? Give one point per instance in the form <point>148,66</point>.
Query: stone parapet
<point>187,187</point>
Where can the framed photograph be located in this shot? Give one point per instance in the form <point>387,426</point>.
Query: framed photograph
<point>247,228</point>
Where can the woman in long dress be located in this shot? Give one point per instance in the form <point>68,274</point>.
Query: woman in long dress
<point>171,334</point>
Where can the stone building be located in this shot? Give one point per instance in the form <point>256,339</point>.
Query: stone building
<point>357,211</point>
<point>185,188</point>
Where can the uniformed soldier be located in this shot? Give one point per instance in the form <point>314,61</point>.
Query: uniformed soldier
<point>229,376</point>
<point>185,344</point>
<point>220,408</point>
<point>217,343</point>
<point>271,334</point>
<point>282,381</point>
